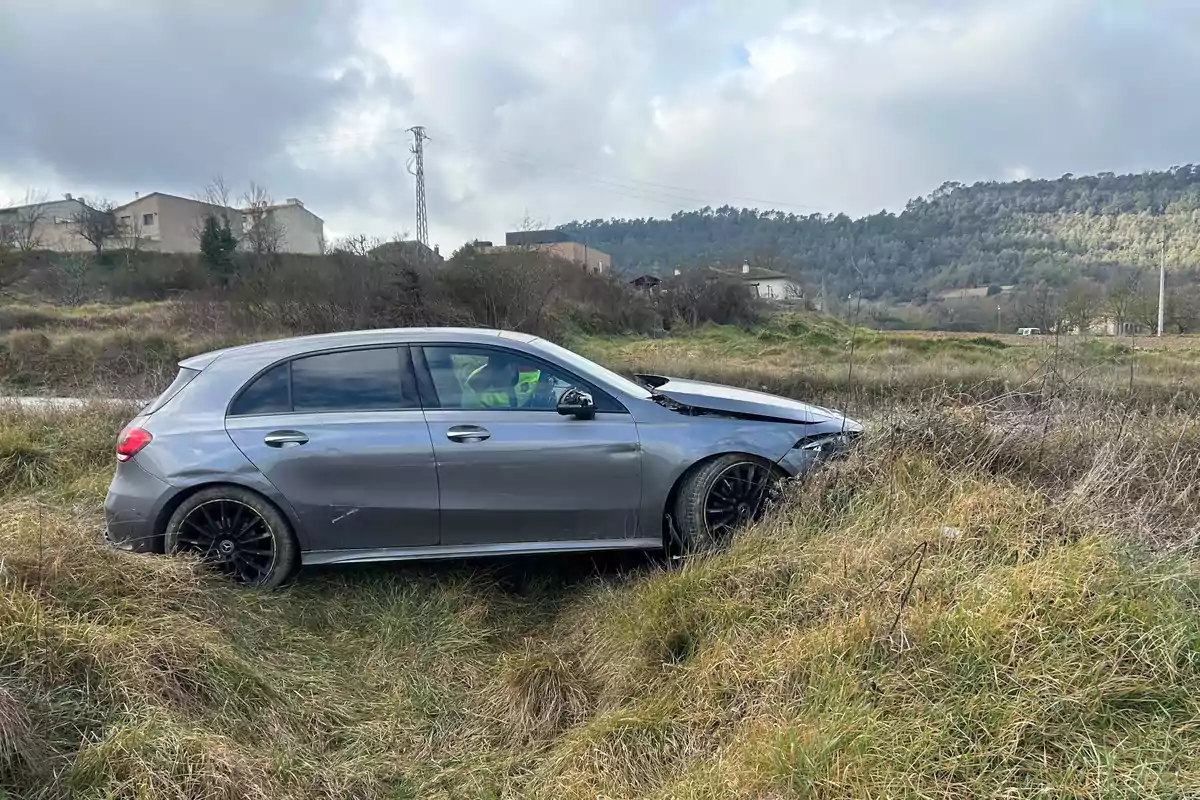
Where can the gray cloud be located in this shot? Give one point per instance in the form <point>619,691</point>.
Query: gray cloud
<point>559,109</point>
<point>163,94</point>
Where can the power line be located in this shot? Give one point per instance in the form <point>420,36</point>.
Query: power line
<point>638,188</point>
<point>418,156</point>
<point>667,189</point>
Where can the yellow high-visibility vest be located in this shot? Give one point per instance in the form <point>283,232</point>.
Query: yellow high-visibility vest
<point>522,393</point>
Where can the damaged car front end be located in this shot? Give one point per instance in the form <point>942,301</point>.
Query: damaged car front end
<point>822,433</point>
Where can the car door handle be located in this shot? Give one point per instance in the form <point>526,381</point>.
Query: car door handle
<point>468,433</point>
<point>284,438</point>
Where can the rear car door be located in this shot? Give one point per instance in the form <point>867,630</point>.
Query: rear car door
<point>342,436</point>
<point>516,471</point>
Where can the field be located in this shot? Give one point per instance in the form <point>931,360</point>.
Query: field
<point>132,350</point>
<point>997,596</point>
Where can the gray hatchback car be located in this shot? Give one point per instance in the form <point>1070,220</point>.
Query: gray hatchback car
<point>424,443</point>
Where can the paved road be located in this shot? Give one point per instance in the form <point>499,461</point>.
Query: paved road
<point>35,403</point>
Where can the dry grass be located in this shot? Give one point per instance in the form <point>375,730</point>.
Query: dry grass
<point>823,362</point>
<point>132,350</point>
<point>968,607</point>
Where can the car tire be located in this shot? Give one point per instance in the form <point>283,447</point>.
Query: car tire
<point>238,532</point>
<point>697,529</point>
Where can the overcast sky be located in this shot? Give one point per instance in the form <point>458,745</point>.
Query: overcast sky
<point>554,110</point>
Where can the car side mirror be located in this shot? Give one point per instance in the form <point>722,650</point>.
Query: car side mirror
<point>577,403</point>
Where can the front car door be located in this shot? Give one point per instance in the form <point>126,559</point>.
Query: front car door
<point>511,470</point>
<point>341,435</point>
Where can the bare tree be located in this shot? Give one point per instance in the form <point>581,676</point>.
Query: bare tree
<point>129,233</point>
<point>377,248</point>
<point>216,193</point>
<point>264,231</point>
<point>360,245</point>
<point>1040,305</point>
<point>95,223</point>
<point>218,196</point>
<point>71,275</point>
<point>1183,309</point>
<point>1083,303</point>
<point>21,227</point>
<point>1128,300</point>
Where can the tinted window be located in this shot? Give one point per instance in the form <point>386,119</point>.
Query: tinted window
<point>477,377</point>
<point>267,395</point>
<point>353,380</point>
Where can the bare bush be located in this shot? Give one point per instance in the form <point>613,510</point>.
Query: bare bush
<point>699,296</point>
<point>21,227</point>
<point>264,232</point>
<point>513,290</point>
<point>96,223</point>
<point>72,275</point>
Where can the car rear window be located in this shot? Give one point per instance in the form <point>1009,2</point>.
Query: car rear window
<point>184,377</point>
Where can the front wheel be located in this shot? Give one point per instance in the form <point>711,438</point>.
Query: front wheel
<point>238,533</point>
<point>720,496</point>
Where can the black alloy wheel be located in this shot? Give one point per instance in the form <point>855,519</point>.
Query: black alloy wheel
<point>737,497</point>
<point>230,535</point>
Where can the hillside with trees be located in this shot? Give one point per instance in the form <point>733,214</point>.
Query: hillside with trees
<point>1101,229</point>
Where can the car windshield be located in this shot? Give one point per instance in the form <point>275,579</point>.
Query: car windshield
<point>591,369</point>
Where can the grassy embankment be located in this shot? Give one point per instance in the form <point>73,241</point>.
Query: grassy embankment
<point>955,612</point>
<point>116,351</point>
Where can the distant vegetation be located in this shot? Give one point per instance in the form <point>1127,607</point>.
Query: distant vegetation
<point>356,286</point>
<point>1100,228</point>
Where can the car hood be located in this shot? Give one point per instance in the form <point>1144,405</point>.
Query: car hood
<point>715,397</point>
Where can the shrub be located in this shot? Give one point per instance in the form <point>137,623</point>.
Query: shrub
<point>217,247</point>
<point>699,296</point>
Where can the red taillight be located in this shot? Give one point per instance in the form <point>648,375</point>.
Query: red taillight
<point>130,443</point>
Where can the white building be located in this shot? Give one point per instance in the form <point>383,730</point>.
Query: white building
<point>298,229</point>
<point>767,284</point>
<point>46,225</point>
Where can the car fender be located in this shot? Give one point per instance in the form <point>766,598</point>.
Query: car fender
<point>212,459</point>
<point>674,445</point>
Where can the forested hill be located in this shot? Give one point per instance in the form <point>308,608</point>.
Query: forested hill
<point>958,236</point>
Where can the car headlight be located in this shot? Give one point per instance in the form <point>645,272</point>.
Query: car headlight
<point>826,444</point>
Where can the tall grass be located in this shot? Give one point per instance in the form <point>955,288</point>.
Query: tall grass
<point>972,605</point>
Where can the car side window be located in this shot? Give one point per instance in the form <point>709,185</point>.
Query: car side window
<point>349,380</point>
<point>270,393</point>
<point>467,377</point>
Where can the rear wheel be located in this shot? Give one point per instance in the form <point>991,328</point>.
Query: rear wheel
<point>720,496</point>
<point>238,533</point>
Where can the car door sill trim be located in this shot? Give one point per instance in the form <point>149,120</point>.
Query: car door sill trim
<point>314,557</point>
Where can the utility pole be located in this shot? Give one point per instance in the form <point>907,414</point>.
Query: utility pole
<point>999,327</point>
<point>1162,284</point>
<point>418,158</point>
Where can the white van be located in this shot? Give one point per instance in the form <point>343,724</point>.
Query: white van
<point>1029,331</point>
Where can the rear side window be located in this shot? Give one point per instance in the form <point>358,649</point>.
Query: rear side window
<point>269,394</point>
<point>184,377</point>
<point>354,380</point>
<point>350,380</point>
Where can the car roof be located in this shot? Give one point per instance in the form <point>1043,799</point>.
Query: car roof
<point>298,345</point>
